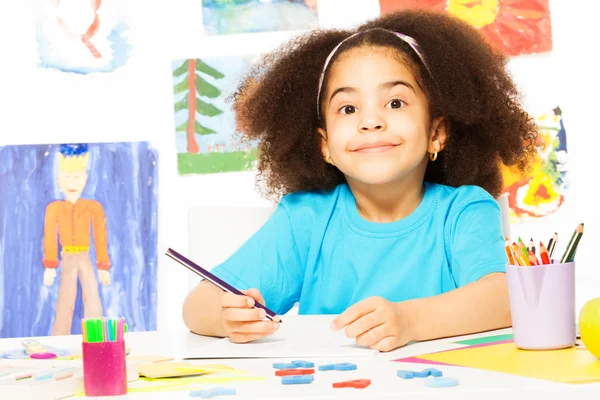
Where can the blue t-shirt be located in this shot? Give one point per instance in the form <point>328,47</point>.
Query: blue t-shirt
<point>316,249</point>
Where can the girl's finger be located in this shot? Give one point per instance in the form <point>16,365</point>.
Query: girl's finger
<point>363,324</point>
<point>265,327</point>
<point>385,344</point>
<point>243,314</point>
<point>373,335</point>
<point>255,294</point>
<point>235,300</point>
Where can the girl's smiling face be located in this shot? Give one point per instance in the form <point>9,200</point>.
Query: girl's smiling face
<point>378,128</point>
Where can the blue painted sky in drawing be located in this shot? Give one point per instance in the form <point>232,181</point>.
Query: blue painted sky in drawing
<point>252,16</point>
<point>233,67</point>
<point>123,178</point>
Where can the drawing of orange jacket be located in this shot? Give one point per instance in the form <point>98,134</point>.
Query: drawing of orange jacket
<point>71,223</point>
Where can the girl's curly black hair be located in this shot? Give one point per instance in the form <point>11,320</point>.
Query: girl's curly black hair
<point>276,103</point>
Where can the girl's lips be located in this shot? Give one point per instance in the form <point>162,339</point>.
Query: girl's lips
<point>378,147</point>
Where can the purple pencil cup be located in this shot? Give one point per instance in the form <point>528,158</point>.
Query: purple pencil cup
<point>542,305</point>
<point>104,368</point>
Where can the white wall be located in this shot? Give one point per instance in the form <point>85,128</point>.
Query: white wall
<point>136,103</point>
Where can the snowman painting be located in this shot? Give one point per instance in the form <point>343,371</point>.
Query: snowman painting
<point>81,36</point>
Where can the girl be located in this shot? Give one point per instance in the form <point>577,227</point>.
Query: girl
<point>386,145</point>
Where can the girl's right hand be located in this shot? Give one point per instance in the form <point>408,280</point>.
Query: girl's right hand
<point>241,321</point>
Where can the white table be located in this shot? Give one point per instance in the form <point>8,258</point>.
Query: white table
<point>474,384</point>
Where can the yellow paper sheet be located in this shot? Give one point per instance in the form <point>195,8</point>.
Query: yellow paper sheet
<point>566,365</point>
<point>176,369</point>
<point>208,379</point>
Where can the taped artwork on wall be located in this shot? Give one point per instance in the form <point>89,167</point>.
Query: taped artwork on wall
<point>78,236</point>
<point>541,191</point>
<point>204,122</point>
<point>82,36</point>
<point>222,17</point>
<point>514,27</point>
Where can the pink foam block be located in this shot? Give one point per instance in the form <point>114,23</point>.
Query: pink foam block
<point>104,368</point>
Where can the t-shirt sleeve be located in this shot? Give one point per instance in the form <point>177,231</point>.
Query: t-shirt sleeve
<point>476,241</point>
<point>269,262</point>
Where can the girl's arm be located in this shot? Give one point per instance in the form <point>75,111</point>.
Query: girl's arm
<point>210,311</point>
<point>202,310</point>
<point>265,267</point>
<point>476,307</point>
<point>384,325</point>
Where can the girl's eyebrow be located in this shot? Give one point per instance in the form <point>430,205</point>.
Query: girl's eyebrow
<point>390,85</point>
<point>384,86</point>
<point>345,89</point>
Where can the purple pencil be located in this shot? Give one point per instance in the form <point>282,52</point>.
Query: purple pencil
<point>195,268</point>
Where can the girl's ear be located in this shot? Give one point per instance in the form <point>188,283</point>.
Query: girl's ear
<point>439,135</point>
<point>324,147</point>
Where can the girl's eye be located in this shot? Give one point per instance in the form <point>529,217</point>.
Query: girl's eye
<point>348,110</point>
<point>395,103</point>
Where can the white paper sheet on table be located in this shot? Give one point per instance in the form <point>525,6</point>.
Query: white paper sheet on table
<point>298,336</point>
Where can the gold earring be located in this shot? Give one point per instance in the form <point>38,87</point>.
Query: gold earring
<point>329,160</point>
<point>433,156</point>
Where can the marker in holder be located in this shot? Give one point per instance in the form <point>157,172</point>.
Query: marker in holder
<point>103,353</point>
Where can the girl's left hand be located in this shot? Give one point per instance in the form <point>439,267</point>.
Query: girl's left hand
<point>377,323</point>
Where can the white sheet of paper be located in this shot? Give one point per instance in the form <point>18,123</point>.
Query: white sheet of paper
<point>298,336</point>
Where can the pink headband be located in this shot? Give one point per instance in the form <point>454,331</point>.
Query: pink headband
<point>407,39</point>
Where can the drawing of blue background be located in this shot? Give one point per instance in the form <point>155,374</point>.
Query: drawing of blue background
<point>252,16</point>
<point>123,178</point>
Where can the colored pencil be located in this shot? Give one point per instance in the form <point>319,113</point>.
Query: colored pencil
<point>509,253</point>
<point>524,251</point>
<point>544,254</point>
<point>552,245</point>
<point>569,254</point>
<point>532,258</point>
<point>519,256</point>
<point>568,246</point>
<point>531,246</point>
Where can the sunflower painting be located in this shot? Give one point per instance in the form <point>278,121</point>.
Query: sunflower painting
<point>514,27</point>
<point>541,191</point>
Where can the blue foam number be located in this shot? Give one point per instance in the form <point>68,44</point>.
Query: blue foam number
<point>303,364</point>
<point>208,393</point>
<point>416,374</point>
<point>326,367</point>
<point>433,372</point>
<point>297,379</point>
<point>344,367</point>
<point>405,374</point>
<point>285,366</point>
<point>440,382</point>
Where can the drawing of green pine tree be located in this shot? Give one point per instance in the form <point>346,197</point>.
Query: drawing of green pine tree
<point>195,86</point>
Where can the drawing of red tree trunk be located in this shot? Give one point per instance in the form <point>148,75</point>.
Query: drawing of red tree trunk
<point>195,86</point>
